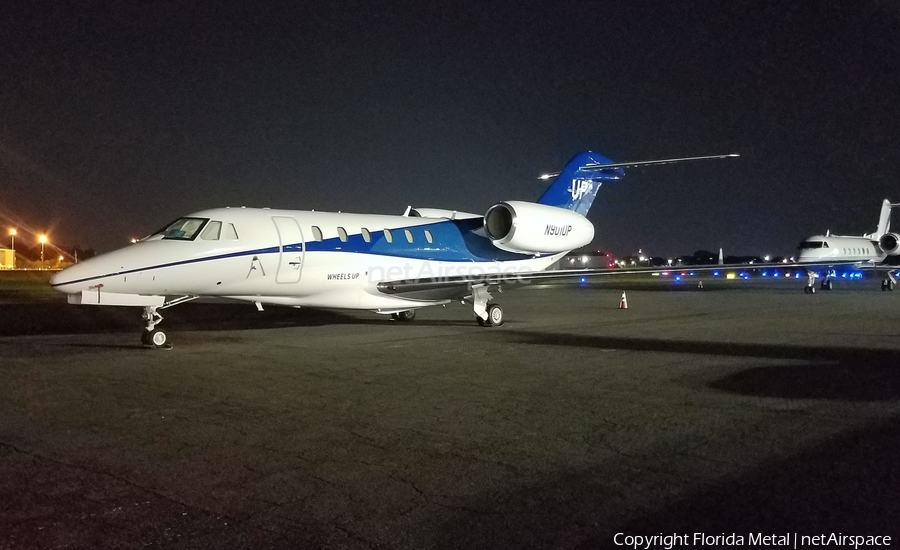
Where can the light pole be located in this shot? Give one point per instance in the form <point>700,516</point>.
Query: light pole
<point>43,240</point>
<point>12,239</point>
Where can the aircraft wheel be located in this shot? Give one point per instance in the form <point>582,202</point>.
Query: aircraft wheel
<point>154,338</point>
<point>827,285</point>
<point>495,315</point>
<point>404,316</point>
<point>883,286</point>
<point>809,289</point>
<point>890,285</point>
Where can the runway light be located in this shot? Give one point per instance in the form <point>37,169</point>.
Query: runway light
<point>715,273</point>
<point>43,240</point>
<point>677,277</point>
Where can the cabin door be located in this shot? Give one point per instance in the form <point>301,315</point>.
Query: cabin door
<point>291,249</point>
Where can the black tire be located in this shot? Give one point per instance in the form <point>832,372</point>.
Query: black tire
<point>406,316</point>
<point>481,322</point>
<point>495,315</point>
<point>145,334</point>
<point>157,338</point>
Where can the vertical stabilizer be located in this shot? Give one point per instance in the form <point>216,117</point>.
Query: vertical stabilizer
<point>577,185</point>
<point>884,221</point>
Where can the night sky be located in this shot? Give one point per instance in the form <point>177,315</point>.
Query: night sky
<point>117,118</point>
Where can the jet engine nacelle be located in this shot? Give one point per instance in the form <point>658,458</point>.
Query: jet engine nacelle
<point>440,213</point>
<point>890,244</point>
<point>536,228</point>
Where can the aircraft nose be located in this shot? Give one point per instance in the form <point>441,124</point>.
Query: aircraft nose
<point>67,280</point>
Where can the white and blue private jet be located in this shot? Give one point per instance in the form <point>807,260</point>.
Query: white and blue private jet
<point>381,263</point>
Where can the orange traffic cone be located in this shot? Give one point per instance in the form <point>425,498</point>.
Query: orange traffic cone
<point>623,303</point>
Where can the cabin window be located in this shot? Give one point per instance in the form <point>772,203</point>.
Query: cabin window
<point>366,235</point>
<point>317,233</point>
<point>212,231</point>
<point>230,232</point>
<point>428,236</point>
<point>409,236</point>
<point>388,236</point>
<point>342,234</point>
<point>183,229</point>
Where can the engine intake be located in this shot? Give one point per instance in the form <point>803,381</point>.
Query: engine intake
<point>890,244</point>
<point>536,228</point>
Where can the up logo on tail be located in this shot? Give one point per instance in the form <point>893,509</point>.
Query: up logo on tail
<point>580,188</point>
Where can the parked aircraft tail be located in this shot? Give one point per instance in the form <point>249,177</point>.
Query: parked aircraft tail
<point>577,185</point>
<point>884,220</point>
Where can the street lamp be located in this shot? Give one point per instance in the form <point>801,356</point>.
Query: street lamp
<point>42,239</point>
<point>12,239</point>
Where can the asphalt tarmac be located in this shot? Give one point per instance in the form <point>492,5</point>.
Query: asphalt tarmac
<point>736,409</point>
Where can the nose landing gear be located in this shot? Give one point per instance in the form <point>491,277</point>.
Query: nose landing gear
<point>151,336</point>
<point>810,287</point>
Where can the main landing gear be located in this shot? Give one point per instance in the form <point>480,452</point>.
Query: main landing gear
<point>404,316</point>
<point>487,314</point>
<point>889,282</point>
<point>153,337</point>
<point>827,282</point>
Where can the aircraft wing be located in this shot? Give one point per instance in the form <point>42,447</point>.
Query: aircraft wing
<point>461,286</point>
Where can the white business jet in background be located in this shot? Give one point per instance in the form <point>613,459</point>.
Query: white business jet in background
<point>870,251</point>
<point>385,264</point>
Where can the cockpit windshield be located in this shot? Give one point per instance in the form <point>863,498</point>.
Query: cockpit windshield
<point>183,229</point>
<point>806,245</point>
